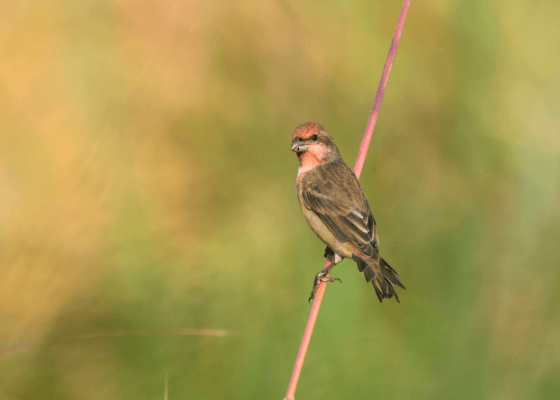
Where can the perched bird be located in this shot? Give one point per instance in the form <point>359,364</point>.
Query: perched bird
<point>337,210</point>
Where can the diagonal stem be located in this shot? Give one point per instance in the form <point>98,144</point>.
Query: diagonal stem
<point>357,170</point>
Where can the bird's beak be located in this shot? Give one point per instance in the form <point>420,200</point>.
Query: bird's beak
<point>298,147</point>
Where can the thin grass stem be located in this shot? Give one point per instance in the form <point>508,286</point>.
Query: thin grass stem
<point>357,170</point>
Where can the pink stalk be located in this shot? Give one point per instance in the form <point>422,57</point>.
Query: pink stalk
<point>357,170</point>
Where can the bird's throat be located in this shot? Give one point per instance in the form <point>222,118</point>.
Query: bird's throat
<point>309,160</point>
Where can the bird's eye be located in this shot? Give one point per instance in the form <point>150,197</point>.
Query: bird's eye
<point>314,137</point>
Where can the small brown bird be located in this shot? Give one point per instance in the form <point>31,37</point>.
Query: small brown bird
<point>337,210</point>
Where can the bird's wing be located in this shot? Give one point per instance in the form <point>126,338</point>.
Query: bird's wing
<point>333,192</point>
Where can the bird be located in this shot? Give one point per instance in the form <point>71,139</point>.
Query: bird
<point>336,209</point>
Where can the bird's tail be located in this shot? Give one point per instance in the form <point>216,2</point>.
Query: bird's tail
<point>381,275</point>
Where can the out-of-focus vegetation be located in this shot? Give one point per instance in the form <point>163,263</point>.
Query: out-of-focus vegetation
<point>147,187</point>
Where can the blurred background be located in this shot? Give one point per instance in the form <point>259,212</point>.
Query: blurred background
<point>151,241</point>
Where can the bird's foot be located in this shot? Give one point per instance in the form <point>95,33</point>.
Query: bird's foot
<point>321,277</point>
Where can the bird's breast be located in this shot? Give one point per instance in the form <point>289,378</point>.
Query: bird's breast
<point>344,249</point>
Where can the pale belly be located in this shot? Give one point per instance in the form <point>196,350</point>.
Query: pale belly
<point>323,232</point>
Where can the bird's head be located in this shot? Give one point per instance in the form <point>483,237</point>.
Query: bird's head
<point>313,144</point>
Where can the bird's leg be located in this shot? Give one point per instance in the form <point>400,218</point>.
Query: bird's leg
<point>322,276</point>
<point>328,252</point>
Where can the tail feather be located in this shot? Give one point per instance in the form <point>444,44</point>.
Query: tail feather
<point>382,276</point>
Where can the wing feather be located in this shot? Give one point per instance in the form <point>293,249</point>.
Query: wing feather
<point>333,192</point>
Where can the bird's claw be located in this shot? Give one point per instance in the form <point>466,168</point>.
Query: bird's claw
<point>321,277</point>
